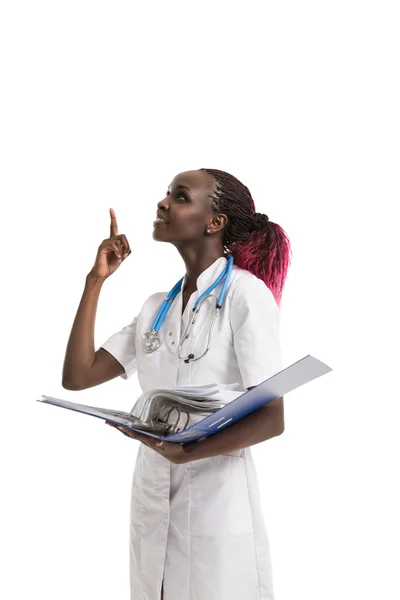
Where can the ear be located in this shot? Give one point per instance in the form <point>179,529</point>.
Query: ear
<point>219,222</point>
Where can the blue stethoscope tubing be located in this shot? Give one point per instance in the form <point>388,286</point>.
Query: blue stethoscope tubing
<point>165,306</point>
<point>226,273</point>
<point>175,290</point>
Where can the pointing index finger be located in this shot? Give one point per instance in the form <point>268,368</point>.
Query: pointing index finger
<point>113,224</point>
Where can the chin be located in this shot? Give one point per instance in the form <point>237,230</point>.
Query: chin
<point>157,237</point>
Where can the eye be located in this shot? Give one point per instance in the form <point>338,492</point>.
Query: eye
<point>181,194</point>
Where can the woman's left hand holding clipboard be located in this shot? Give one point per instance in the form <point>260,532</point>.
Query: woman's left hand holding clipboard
<point>173,452</point>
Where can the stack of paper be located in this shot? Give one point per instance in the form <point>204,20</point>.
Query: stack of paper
<point>170,410</point>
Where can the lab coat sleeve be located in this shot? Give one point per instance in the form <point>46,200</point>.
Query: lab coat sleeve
<point>255,322</point>
<point>122,346</point>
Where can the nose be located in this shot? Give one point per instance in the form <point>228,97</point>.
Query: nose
<point>163,204</point>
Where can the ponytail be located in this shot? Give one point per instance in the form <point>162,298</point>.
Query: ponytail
<point>266,254</point>
<point>257,244</point>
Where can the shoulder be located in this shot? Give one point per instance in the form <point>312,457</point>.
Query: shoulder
<point>153,301</point>
<point>156,297</point>
<point>247,288</point>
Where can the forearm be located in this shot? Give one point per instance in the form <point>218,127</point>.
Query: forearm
<point>257,427</point>
<point>80,352</point>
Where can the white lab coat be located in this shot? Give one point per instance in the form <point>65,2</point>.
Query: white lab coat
<point>199,526</point>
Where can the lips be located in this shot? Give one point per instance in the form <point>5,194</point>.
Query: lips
<point>160,216</point>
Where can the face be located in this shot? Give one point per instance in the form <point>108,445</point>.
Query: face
<point>186,209</point>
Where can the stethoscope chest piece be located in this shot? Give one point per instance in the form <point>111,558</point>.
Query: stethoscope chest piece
<point>151,341</point>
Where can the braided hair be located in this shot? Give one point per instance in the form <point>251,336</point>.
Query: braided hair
<point>257,245</point>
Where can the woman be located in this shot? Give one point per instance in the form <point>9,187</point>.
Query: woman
<point>197,530</point>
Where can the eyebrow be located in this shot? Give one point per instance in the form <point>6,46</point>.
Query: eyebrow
<point>182,186</point>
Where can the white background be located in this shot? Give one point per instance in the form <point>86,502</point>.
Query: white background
<point>102,104</point>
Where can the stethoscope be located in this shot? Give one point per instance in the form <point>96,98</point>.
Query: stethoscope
<point>151,340</point>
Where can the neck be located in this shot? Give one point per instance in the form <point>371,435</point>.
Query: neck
<point>196,262</point>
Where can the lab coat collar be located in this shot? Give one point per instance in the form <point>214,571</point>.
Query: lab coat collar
<point>209,275</point>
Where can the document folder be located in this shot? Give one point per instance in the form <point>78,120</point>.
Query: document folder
<point>288,379</point>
